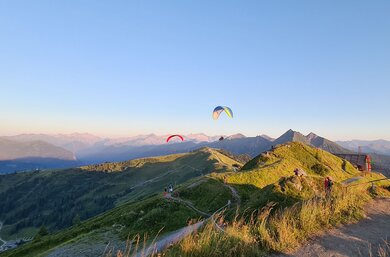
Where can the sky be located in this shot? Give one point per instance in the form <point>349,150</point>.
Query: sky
<point>122,68</point>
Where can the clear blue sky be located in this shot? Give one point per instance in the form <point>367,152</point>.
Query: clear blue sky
<point>119,68</point>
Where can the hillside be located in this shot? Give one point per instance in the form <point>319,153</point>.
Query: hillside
<point>267,178</point>
<point>60,198</point>
<point>280,211</point>
<point>153,215</point>
<point>269,167</point>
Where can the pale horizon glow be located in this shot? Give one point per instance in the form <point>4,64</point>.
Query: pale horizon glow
<point>131,68</point>
<point>119,136</point>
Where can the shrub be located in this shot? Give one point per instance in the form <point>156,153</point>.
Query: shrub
<point>320,169</point>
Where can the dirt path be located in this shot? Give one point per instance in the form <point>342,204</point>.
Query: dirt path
<point>358,239</point>
<point>174,237</point>
<point>169,239</point>
<point>235,194</point>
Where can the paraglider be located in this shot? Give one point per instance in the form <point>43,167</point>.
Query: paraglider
<point>170,137</point>
<point>219,109</point>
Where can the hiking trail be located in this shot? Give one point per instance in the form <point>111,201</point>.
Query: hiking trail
<point>360,239</point>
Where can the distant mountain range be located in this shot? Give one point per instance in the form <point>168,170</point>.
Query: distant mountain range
<point>375,146</point>
<point>10,150</point>
<point>82,148</point>
<point>31,155</point>
<point>74,143</point>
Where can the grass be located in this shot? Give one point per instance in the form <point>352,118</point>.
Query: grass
<point>147,217</point>
<point>279,211</point>
<point>55,198</point>
<point>267,168</point>
<point>127,165</point>
<point>289,228</point>
<point>26,232</point>
<point>280,231</point>
<point>384,249</point>
<point>214,195</point>
<point>258,182</point>
<point>285,210</point>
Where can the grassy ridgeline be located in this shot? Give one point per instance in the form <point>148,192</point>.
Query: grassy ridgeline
<point>284,210</point>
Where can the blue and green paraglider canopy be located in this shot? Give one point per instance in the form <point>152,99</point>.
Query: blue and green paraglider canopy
<point>219,109</point>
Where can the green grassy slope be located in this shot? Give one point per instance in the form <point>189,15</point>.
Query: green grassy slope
<point>299,205</point>
<point>58,198</point>
<point>260,181</point>
<point>153,215</point>
<point>267,178</point>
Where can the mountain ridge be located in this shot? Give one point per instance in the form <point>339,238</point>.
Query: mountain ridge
<point>379,146</point>
<point>90,149</point>
<point>310,139</point>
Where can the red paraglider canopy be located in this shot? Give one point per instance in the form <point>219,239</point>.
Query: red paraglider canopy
<point>169,138</point>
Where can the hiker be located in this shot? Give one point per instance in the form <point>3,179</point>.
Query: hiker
<point>328,185</point>
<point>326,182</point>
<point>225,179</point>
<point>165,191</point>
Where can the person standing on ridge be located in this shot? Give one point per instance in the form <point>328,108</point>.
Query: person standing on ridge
<point>326,184</point>
<point>330,184</point>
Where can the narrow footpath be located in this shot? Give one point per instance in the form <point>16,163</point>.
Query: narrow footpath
<point>361,239</point>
